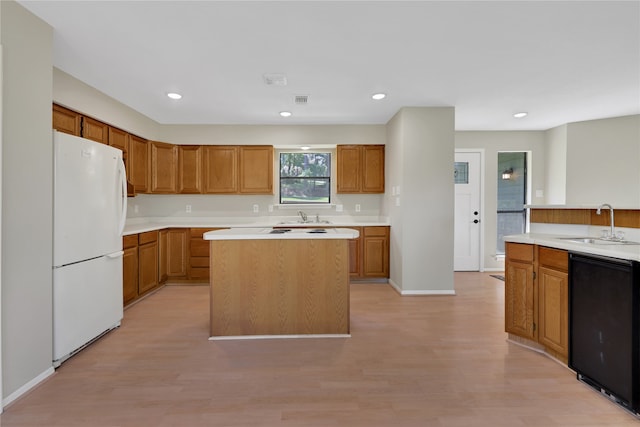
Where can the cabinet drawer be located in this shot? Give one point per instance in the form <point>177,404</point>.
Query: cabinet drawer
<point>556,259</point>
<point>200,261</point>
<point>519,251</point>
<point>148,237</point>
<point>376,231</point>
<point>130,241</point>
<point>199,273</point>
<point>199,247</point>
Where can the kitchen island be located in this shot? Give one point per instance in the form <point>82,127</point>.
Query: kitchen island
<point>279,282</point>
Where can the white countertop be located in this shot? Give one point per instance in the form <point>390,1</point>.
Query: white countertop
<point>630,252</point>
<point>245,233</point>
<point>141,225</point>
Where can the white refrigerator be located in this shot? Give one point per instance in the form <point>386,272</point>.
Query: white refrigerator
<point>89,213</point>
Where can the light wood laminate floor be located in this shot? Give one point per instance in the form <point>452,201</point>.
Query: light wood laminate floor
<point>411,361</point>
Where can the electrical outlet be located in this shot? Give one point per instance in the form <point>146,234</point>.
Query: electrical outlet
<point>338,208</point>
<point>357,207</point>
<point>270,208</point>
<point>256,208</point>
<point>135,209</point>
<point>188,209</point>
<point>397,201</point>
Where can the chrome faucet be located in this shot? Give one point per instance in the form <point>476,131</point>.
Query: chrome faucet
<point>303,216</point>
<point>612,233</point>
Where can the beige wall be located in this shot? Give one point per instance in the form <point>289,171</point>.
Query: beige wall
<point>603,158</point>
<point>556,166</point>
<point>27,200</point>
<point>421,150</point>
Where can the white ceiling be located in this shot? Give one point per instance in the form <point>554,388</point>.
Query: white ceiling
<point>560,61</point>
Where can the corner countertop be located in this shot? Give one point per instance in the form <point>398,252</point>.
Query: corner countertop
<point>141,225</point>
<point>245,233</point>
<point>629,252</point>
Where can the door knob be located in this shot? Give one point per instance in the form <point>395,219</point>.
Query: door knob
<point>475,212</point>
<point>475,221</point>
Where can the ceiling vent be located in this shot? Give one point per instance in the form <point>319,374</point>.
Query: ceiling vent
<point>275,79</point>
<point>302,99</point>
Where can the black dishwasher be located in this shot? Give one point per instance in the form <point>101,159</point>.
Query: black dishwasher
<point>603,326</point>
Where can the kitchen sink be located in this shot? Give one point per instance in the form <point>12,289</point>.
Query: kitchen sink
<point>300,222</point>
<point>598,241</point>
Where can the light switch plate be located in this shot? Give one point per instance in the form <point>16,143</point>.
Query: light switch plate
<point>338,208</point>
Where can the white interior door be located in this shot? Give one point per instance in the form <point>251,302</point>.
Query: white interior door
<point>467,212</point>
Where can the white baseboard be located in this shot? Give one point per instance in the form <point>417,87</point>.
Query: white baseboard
<point>27,387</point>
<point>494,270</point>
<point>420,292</point>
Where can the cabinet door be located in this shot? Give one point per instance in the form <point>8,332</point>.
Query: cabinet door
<point>189,169</point>
<point>553,310</point>
<point>220,169</point>
<point>138,163</point>
<point>95,130</point>
<point>118,139</point>
<point>375,248</point>
<point>130,275</point>
<point>256,170</point>
<point>373,169</point>
<point>519,299</point>
<point>65,120</point>
<point>355,254</point>
<point>147,267</point>
<point>348,168</point>
<point>177,252</point>
<point>163,167</point>
<point>162,255</point>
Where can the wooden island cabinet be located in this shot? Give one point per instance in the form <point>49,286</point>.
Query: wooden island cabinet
<point>536,297</point>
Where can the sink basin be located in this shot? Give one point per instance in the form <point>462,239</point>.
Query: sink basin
<point>299,222</point>
<point>598,241</point>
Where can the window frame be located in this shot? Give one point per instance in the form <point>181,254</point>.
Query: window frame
<point>323,151</point>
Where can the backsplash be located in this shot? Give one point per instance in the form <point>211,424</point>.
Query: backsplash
<point>202,206</point>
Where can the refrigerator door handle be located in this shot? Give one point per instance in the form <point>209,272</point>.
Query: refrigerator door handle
<point>123,183</point>
<point>115,255</point>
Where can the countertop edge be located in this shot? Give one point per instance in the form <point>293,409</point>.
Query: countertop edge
<point>631,252</point>
<point>142,227</point>
<point>265,234</point>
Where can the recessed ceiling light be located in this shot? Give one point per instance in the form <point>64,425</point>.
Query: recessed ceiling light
<point>520,115</point>
<point>305,147</point>
<point>174,95</point>
<point>379,96</point>
<point>285,113</point>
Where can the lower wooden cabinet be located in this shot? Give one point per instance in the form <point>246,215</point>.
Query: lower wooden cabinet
<point>199,255</point>
<point>553,301</point>
<point>375,252</point>
<point>181,254</point>
<point>520,317</point>
<point>536,296</point>
<point>130,268</point>
<point>177,248</point>
<point>147,261</point>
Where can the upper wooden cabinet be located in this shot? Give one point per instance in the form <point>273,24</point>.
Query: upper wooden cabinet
<point>164,159</point>
<point>360,168</point>
<point>139,163</point>
<point>95,130</point>
<point>65,120</point>
<point>74,123</point>
<point>256,169</point>
<point>190,169</point>
<point>220,169</point>
<point>119,139</point>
